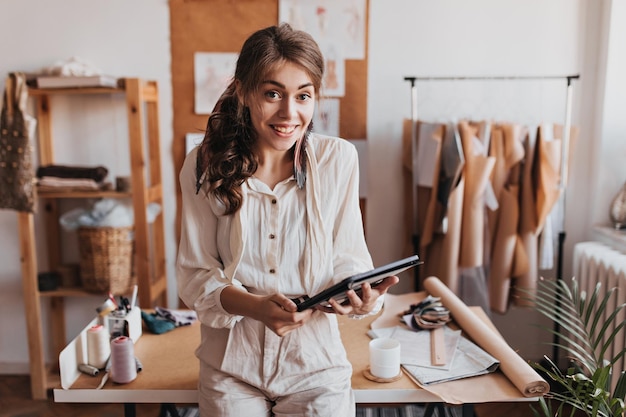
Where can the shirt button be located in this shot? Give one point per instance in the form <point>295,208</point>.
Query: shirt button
<point>274,201</point>
<point>272,236</point>
<point>272,271</point>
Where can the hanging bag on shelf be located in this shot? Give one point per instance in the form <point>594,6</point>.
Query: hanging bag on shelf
<point>17,188</point>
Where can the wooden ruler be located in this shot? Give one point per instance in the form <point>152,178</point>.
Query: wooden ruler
<point>437,347</point>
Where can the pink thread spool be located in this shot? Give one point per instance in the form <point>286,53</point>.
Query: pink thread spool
<point>123,366</point>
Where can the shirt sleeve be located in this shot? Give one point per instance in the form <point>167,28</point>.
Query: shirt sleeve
<point>199,269</point>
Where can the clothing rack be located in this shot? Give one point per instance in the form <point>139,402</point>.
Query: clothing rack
<point>562,178</point>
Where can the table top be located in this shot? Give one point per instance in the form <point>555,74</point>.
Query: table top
<point>170,374</point>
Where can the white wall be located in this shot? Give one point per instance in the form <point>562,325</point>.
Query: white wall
<point>611,166</point>
<point>407,38</point>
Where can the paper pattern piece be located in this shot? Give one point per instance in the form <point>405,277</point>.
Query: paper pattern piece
<point>469,360</point>
<point>213,71</point>
<point>428,150</point>
<point>415,345</point>
<point>466,359</point>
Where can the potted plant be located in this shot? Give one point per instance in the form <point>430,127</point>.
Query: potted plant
<point>585,329</point>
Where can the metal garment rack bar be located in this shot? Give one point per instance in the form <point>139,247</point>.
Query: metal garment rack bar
<point>562,179</point>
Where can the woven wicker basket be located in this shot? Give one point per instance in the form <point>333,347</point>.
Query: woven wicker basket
<point>106,259</point>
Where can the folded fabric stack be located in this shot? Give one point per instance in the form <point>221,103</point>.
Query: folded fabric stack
<point>165,319</point>
<point>55,177</point>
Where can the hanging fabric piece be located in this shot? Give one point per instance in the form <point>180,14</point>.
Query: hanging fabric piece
<point>507,148</point>
<point>546,171</point>
<point>17,188</point>
<point>440,192</point>
<point>430,137</point>
<point>410,212</point>
<point>547,175</point>
<point>452,163</point>
<point>443,251</point>
<point>528,228</point>
<point>443,247</point>
<point>477,170</point>
<point>429,141</point>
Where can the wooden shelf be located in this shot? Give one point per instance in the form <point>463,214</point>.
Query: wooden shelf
<point>149,259</point>
<point>83,194</point>
<point>69,292</point>
<point>37,92</point>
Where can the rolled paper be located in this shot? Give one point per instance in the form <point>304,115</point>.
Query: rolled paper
<point>519,372</point>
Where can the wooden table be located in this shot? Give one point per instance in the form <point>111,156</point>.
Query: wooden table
<point>170,373</point>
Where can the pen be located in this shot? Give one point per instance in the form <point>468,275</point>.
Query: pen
<point>112,299</point>
<point>126,304</point>
<point>134,297</point>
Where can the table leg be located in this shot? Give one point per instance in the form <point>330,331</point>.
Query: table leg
<point>429,411</point>
<point>129,410</point>
<point>168,410</point>
<point>467,410</point>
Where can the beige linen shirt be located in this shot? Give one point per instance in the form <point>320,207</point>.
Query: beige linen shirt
<point>330,246</point>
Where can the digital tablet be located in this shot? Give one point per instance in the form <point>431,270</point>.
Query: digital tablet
<point>374,277</point>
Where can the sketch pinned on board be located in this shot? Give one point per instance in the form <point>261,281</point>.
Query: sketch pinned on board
<point>213,71</point>
<point>326,118</point>
<point>334,82</point>
<point>339,21</point>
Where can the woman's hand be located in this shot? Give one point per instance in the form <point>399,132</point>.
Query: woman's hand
<point>363,304</point>
<point>281,315</point>
<point>276,311</point>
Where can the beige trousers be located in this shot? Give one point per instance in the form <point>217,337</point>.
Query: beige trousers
<point>222,395</point>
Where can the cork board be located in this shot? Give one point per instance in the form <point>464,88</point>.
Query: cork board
<point>223,26</point>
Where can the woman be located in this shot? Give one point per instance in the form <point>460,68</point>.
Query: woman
<point>270,213</point>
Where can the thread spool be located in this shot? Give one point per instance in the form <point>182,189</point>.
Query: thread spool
<point>98,348</point>
<point>106,307</point>
<point>123,365</point>
<point>88,369</point>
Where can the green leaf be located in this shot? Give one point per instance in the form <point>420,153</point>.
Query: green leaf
<point>620,388</point>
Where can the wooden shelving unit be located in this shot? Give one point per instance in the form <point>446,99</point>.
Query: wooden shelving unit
<point>142,101</point>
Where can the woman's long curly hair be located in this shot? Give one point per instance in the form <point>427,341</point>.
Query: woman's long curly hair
<point>225,158</point>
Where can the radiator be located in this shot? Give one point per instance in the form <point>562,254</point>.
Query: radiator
<point>597,262</point>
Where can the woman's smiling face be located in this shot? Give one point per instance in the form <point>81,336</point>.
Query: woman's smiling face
<point>282,108</point>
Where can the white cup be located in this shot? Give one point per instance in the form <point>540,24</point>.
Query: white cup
<point>384,357</point>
